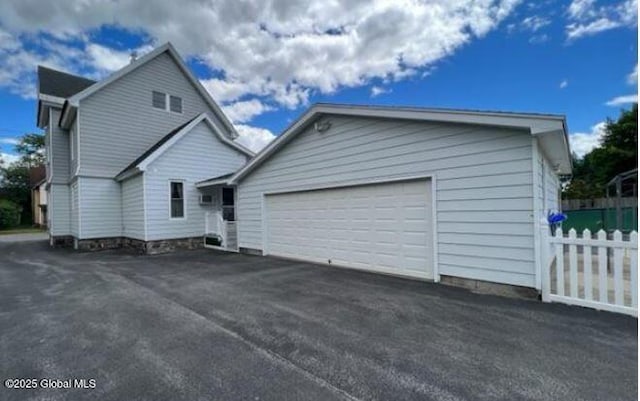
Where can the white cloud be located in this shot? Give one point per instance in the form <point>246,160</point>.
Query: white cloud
<point>564,84</point>
<point>583,142</point>
<point>9,141</point>
<point>378,90</point>
<point>8,158</point>
<point>620,100</point>
<point>588,18</point>
<point>284,51</point>
<point>535,23</point>
<point>105,59</point>
<point>538,39</point>
<point>254,138</point>
<point>632,78</point>
<point>240,112</point>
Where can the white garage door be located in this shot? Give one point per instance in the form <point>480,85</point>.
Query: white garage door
<point>382,227</point>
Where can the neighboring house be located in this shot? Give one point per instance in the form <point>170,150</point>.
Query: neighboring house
<point>145,158</point>
<point>124,154</point>
<point>427,193</point>
<point>38,182</point>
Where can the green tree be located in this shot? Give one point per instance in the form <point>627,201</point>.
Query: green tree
<point>31,149</point>
<point>617,153</point>
<point>15,187</point>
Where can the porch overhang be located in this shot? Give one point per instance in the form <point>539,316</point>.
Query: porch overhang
<point>220,181</point>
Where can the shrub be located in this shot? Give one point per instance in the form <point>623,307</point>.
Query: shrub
<point>9,214</point>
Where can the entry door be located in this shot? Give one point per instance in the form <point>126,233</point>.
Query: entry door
<point>382,227</point>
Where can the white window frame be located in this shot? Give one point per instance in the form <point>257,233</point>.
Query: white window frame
<point>167,102</point>
<point>184,199</point>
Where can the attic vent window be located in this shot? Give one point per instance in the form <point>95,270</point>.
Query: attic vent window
<point>175,103</point>
<point>159,100</point>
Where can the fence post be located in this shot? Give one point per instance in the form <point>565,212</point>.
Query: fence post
<point>545,246</point>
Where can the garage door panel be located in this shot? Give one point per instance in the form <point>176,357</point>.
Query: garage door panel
<point>381,227</point>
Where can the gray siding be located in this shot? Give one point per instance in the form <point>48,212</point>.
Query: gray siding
<point>74,209</point>
<point>59,210</point>
<point>484,186</point>
<point>100,208</point>
<point>59,149</point>
<point>73,151</point>
<point>133,219</point>
<point>197,156</point>
<point>118,122</point>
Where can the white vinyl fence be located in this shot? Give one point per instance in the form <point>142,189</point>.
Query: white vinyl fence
<point>599,273</point>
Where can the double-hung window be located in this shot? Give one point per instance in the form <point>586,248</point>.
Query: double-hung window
<point>176,189</point>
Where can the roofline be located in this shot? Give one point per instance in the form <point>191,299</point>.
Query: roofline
<point>536,124</point>
<point>142,165</point>
<point>209,183</point>
<point>74,100</point>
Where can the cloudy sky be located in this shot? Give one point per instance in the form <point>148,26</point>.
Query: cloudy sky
<point>265,61</point>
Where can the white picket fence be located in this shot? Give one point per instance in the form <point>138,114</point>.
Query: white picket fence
<point>592,272</point>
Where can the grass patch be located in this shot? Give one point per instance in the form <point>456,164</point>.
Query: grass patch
<point>21,230</point>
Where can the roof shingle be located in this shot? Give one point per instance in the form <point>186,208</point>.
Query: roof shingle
<point>60,84</point>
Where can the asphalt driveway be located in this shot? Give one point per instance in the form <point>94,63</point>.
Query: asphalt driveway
<point>203,325</point>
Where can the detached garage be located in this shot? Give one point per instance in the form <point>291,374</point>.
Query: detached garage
<point>423,193</point>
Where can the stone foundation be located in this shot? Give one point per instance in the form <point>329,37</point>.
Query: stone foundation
<point>61,241</point>
<point>131,244</point>
<point>485,287</point>
<point>170,245</point>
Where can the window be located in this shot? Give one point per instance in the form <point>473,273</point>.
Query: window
<point>228,204</point>
<point>177,199</point>
<point>175,104</point>
<point>159,100</point>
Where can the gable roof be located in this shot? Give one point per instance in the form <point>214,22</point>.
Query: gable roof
<point>167,141</point>
<point>168,48</point>
<point>550,128</point>
<point>60,84</point>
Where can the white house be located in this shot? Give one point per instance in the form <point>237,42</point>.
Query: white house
<point>426,193</point>
<point>124,154</point>
<point>147,159</point>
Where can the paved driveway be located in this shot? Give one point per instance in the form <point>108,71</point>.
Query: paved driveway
<point>203,325</point>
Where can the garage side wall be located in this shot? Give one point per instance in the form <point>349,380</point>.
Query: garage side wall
<point>484,185</point>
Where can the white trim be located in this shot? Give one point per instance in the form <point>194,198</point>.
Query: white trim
<point>144,205</point>
<point>50,153</point>
<point>537,247</point>
<point>430,180</point>
<point>80,210</point>
<point>434,225</point>
<point>184,199</point>
<point>167,47</point>
<point>77,172</point>
<point>210,183</point>
<point>51,99</point>
<point>534,123</point>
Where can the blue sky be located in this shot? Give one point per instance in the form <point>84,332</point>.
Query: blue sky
<point>266,63</point>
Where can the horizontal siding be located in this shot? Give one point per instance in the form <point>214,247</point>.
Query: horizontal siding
<point>100,208</point>
<point>484,185</point>
<point>59,210</point>
<point>197,156</point>
<point>119,121</point>
<point>133,207</point>
<point>59,150</point>
<point>74,209</point>
<point>73,151</point>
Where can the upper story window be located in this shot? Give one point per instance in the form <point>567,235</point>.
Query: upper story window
<point>159,100</point>
<point>164,101</point>
<point>175,104</point>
